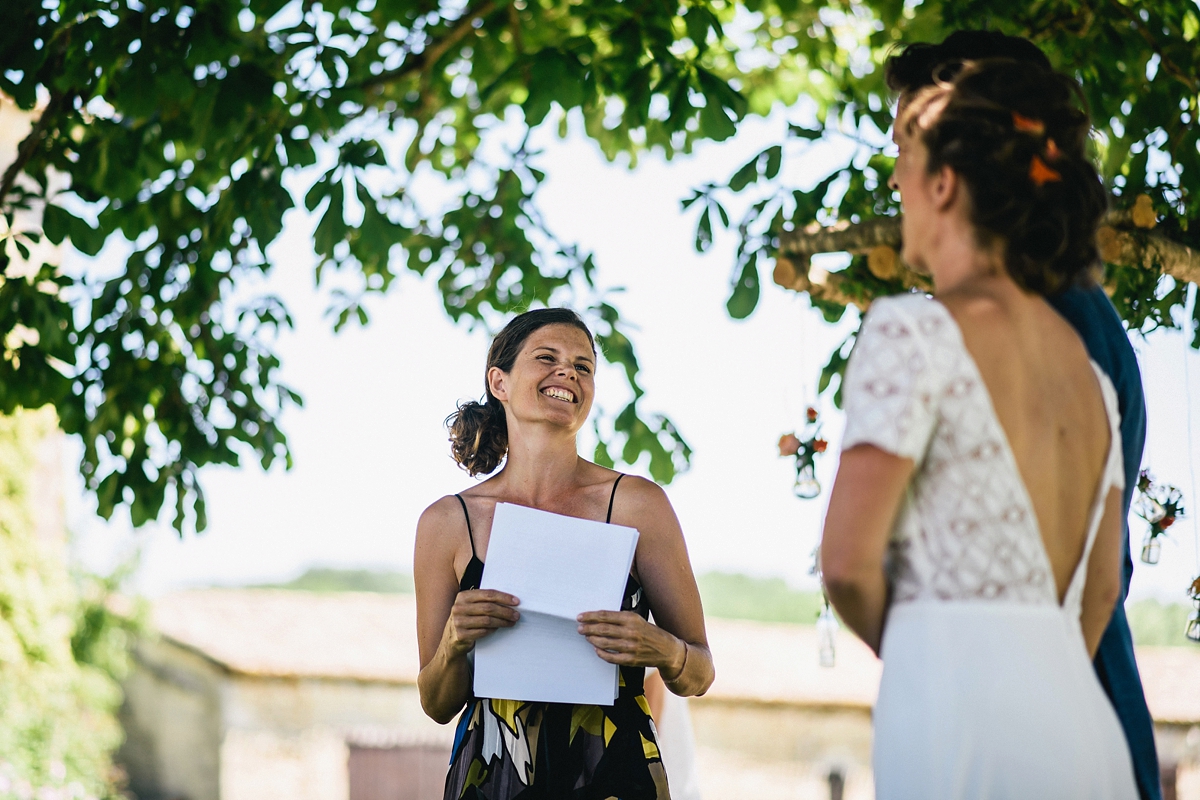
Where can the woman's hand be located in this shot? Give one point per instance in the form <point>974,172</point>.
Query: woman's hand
<point>475,614</point>
<point>623,637</point>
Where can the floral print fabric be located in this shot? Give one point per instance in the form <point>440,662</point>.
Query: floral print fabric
<point>516,750</point>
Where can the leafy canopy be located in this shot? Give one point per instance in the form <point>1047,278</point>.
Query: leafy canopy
<point>177,134</point>
<point>1142,93</point>
<point>173,132</point>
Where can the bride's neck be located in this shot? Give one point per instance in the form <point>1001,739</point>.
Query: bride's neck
<point>958,261</point>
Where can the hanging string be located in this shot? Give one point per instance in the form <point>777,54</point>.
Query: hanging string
<point>1190,314</point>
<point>1192,631</point>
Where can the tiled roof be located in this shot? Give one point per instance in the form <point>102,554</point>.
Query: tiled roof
<point>372,637</point>
<point>279,633</point>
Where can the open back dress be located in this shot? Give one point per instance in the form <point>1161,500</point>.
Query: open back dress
<point>987,690</point>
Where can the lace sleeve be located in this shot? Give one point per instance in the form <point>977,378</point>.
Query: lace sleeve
<point>889,394</point>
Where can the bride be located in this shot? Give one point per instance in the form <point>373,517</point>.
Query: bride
<point>973,536</point>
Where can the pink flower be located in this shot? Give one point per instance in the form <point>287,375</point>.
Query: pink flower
<point>789,445</point>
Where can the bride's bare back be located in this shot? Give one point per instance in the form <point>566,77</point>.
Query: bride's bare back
<point>1049,403</point>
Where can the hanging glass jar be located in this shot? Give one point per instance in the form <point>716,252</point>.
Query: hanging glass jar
<point>1151,549</point>
<point>806,486</point>
<point>827,626</point>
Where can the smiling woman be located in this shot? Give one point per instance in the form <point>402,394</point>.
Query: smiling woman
<point>539,386</point>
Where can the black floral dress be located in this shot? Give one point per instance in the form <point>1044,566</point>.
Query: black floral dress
<point>518,750</point>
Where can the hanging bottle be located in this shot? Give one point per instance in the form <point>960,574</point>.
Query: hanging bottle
<point>1151,549</point>
<point>1193,624</point>
<point>827,626</point>
<point>807,486</point>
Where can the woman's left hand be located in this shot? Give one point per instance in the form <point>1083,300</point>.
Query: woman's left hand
<point>623,637</point>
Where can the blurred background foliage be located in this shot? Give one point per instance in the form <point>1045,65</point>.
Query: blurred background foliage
<point>64,645</point>
<point>732,595</point>
<point>175,135</point>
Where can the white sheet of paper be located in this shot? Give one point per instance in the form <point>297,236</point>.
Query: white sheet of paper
<point>558,567</point>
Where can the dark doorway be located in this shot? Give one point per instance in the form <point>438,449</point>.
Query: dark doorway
<point>398,773</point>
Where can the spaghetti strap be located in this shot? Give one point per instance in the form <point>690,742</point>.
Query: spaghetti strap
<point>471,536</point>
<point>612,497</point>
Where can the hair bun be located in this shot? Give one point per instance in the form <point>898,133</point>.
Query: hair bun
<point>1016,133</point>
<point>478,435</point>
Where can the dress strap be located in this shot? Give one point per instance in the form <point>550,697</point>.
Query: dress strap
<point>612,497</point>
<point>471,536</point>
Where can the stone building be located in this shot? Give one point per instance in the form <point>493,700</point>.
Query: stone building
<point>251,694</point>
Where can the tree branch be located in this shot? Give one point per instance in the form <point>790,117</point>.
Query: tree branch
<point>1120,240</point>
<point>436,49</point>
<point>29,145</point>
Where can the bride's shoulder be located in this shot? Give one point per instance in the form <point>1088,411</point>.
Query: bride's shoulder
<point>906,317</point>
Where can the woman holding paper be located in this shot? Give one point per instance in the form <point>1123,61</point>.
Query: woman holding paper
<point>539,386</point>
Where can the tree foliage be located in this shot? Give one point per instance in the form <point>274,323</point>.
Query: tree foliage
<point>174,135</point>
<point>173,132</point>
<point>1143,94</point>
<point>62,649</point>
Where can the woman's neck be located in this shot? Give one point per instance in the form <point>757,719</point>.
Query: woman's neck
<point>540,464</point>
<point>958,262</point>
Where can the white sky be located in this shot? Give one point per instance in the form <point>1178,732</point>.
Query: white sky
<point>371,452</point>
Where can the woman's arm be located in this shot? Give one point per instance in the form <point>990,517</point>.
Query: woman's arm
<point>677,644</point>
<point>449,622</point>
<point>863,505</point>
<point>1103,586</point>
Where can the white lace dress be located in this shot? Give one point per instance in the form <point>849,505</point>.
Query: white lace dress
<point>987,688</point>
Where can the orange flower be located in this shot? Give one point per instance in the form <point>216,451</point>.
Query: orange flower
<point>819,445</point>
<point>1040,174</point>
<point>811,414</point>
<point>1166,522</point>
<point>1052,151</point>
<point>1028,124</point>
<point>789,445</point>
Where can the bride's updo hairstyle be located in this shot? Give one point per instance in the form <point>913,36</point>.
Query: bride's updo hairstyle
<point>479,431</point>
<point>1016,134</point>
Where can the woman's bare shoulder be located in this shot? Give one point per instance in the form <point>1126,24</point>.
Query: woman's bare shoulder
<point>639,499</point>
<point>440,519</point>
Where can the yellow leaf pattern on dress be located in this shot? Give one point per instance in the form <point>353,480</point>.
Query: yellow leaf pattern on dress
<point>643,704</point>
<point>590,718</point>
<point>476,775</point>
<point>649,747</point>
<point>610,728</point>
<point>506,711</point>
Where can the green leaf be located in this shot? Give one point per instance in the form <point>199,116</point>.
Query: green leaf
<point>746,175</point>
<point>744,298</point>
<point>56,222</point>
<point>704,234</point>
<point>774,160</point>
<point>811,134</point>
<point>696,19</point>
<point>332,227</point>
<point>715,123</point>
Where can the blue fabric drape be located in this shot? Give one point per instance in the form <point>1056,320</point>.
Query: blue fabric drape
<point>1092,315</point>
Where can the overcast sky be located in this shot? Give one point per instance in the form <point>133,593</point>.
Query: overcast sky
<point>371,452</point>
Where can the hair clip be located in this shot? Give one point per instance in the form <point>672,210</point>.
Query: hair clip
<point>1028,124</point>
<point>1041,174</point>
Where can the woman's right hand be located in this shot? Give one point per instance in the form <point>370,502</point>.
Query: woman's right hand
<point>475,614</point>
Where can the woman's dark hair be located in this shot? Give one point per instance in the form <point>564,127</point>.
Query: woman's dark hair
<point>1016,134</point>
<point>479,431</point>
<point>923,64</point>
